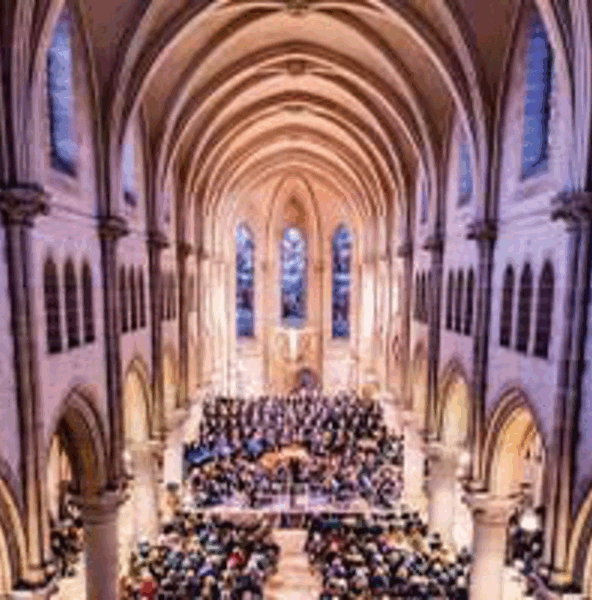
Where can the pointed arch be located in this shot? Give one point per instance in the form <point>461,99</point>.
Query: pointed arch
<point>537,94</point>
<point>60,90</point>
<point>294,276</point>
<point>544,311</point>
<point>142,298</point>
<point>245,281</point>
<point>449,301</point>
<point>51,287</point>
<point>133,300</point>
<point>71,303</point>
<point>87,303</point>
<point>123,304</point>
<point>505,334</point>
<point>458,301</point>
<point>341,246</point>
<point>469,300</point>
<point>524,310</point>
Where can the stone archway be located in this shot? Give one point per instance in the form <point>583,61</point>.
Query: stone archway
<point>448,462</point>
<point>138,518</point>
<point>78,444</point>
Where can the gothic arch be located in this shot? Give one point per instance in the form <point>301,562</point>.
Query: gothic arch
<point>579,561</point>
<point>81,430</point>
<point>137,403</point>
<point>511,428</point>
<point>454,404</point>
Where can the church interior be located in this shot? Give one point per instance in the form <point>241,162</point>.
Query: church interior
<point>295,299</point>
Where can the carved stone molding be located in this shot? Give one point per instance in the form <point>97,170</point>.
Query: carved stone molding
<point>184,249</point>
<point>490,508</point>
<point>103,507</point>
<point>297,7</point>
<point>112,227</point>
<point>434,243</point>
<point>20,205</point>
<point>158,239</point>
<point>482,229</point>
<point>405,250</point>
<point>573,206</point>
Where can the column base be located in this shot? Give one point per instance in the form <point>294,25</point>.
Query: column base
<point>38,593</point>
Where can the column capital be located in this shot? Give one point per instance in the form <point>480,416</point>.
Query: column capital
<point>572,206</point>
<point>101,508</point>
<point>184,249</point>
<point>405,249</point>
<point>21,204</point>
<point>482,230</point>
<point>434,242</point>
<point>112,227</point>
<point>490,508</point>
<point>158,239</point>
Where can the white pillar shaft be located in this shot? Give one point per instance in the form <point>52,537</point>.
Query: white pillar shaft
<point>443,497</point>
<point>413,465</point>
<point>487,570</point>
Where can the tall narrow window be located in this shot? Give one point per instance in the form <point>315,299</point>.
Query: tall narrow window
<point>52,307</point>
<point>71,293</point>
<point>469,302</point>
<point>123,300</point>
<point>465,176</point>
<point>423,303</point>
<point>539,67</point>
<point>128,170</point>
<point>524,309</point>
<point>87,304</point>
<point>458,302</point>
<point>342,249</point>
<point>142,298</point>
<point>544,312</point>
<point>424,200</point>
<point>174,296</point>
<point>133,300</point>
<point>61,98</point>
<point>450,301</point>
<point>417,306</point>
<point>507,307</point>
<point>191,294</point>
<point>245,282</point>
<point>293,277</point>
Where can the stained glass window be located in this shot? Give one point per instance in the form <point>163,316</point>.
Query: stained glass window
<point>128,171</point>
<point>293,277</point>
<point>245,282</point>
<point>465,176</point>
<point>539,65</point>
<point>342,249</point>
<point>425,200</point>
<point>61,98</point>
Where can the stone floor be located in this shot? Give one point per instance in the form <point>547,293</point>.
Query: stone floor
<point>294,579</point>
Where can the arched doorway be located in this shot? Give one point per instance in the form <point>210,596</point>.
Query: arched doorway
<point>138,517</point>
<point>448,513</point>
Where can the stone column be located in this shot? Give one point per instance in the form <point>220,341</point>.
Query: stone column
<point>484,232</point>
<point>173,451</point>
<point>441,487</point>
<point>183,251</point>
<point>19,207</point>
<point>111,229</point>
<point>576,209</point>
<point>491,515</point>
<point>405,251</point>
<point>157,242</point>
<point>144,469</point>
<point>435,245</point>
<point>99,514</point>
<point>413,465</point>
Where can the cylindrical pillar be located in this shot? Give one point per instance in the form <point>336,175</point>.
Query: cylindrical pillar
<point>101,545</point>
<point>413,462</point>
<point>441,486</point>
<point>490,524</point>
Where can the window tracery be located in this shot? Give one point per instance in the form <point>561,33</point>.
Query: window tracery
<point>294,262</point>
<point>342,248</point>
<point>245,282</point>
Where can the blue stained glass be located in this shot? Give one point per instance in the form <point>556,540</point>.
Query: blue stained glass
<point>61,98</point>
<point>342,251</point>
<point>293,277</point>
<point>245,282</point>
<point>425,199</point>
<point>465,175</point>
<point>539,65</point>
<point>128,172</point>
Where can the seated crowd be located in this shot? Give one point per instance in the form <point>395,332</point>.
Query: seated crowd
<point>336,447</point>
<point>204,557</point>
<point>389,556</point>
